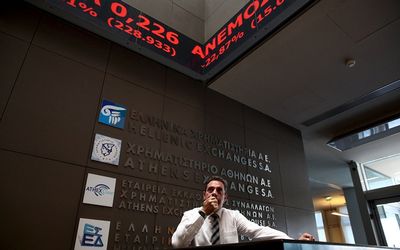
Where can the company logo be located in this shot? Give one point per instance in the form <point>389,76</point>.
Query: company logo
<point>99,190</point>
<point>106,149</point>
<point>112,114</point>
<point>92,234</point>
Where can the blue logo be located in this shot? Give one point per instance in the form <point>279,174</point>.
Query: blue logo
<point>91,236</point>
<point>112,114</point>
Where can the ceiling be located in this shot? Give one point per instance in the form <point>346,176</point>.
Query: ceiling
<point>301,73</point>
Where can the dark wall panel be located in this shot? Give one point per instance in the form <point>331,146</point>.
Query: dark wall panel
<point>70,41</point>
<point>190,118</point>
<point>133,95</point>
<point>266,167</point>
<point>272,128</point>
<point>39,202</point>
<point>175,111</point>
<point>19,20</point>
<point>184,89</point>
<point>224,107</point>
<point>52,108</point>
<point>265,125</point>
<point>294,170</point>
<point>12,52</point>
<point>136,69</point>
<point>224,129</point>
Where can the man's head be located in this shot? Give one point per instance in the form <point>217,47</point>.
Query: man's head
<point>217,187</point>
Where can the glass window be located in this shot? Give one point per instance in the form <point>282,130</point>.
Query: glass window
<point>380,173</point>
<point>346,226</point>
<point>320,226</point>
<point>394,123</point>
<point>389,214</point>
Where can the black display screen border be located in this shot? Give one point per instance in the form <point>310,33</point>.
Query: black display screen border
<point>119,22</point>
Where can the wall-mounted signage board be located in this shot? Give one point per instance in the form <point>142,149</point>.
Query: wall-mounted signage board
<point>127,26</point>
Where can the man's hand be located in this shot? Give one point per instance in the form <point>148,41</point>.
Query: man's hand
<point>307,236</point>
<point>210,205</point>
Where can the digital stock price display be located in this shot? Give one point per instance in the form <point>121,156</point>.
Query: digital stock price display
<point>128,26</point>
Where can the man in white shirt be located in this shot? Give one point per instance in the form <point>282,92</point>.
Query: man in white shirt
<point>196,225</point>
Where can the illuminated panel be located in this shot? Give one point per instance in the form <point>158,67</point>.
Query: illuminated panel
<point>249,27</point>
<point>132,28</point>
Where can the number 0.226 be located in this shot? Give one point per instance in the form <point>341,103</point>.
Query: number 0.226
<point>157,29</point>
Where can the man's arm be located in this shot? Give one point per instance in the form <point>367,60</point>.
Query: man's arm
<point>253,230</point>
<point>188,228</point>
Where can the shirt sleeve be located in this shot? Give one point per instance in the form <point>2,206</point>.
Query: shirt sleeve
<point>187,229</point>
<point>253,230</point>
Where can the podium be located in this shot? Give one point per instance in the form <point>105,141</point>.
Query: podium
<point>291,245</point>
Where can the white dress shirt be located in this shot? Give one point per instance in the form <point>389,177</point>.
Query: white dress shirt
<point>193,227</point>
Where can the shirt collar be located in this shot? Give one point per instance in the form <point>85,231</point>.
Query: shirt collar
<point>219,212</point>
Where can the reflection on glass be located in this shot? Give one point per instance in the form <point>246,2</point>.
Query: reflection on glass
<point>363,136</point>
<point>394,123</point>
<point>389,215</point>
<point>320,226</point>
<point>346,226</point>
<point>380,173</point>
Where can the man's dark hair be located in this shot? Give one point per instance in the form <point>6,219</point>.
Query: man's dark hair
<point>216,178</point>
